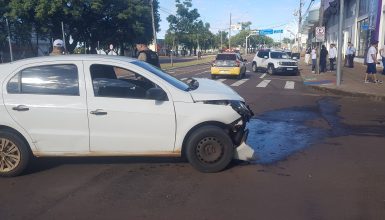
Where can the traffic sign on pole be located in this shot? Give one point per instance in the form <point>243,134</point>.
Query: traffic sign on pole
<point>320,34</point>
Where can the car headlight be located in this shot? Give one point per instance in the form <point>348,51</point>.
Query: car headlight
<point>237,105</point>
<point>280,63</point>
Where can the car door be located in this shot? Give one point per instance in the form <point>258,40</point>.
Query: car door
<point>121,118</point>
<point>48,101</point>
<point>264,61</point>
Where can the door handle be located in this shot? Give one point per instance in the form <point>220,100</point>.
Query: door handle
<point>21,108</point>
<point>98,112</point>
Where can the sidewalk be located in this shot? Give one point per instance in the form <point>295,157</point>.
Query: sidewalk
<point>352,83</point>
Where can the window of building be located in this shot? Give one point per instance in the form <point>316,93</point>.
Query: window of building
<point>46,80</point>
<point>362,30</point>
<point>363,7</point>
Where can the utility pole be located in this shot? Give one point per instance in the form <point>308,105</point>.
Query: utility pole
<point>221,40</point>
<point>320,24</point>
<point>299,26</point>
<point>339,53</point>
<point>153,25</point>
<point>230,34</point>
<point>9,39</point>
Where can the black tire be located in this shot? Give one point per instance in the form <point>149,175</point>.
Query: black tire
<point>209,149</point>
<point>11,142</point>
<point>213,76</point>
<point>270,69</point>
<point>254,67</point>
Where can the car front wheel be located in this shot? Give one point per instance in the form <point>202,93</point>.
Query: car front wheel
<point>254,67</point>
<point>270,69</point>
<point>209,149</point>
<point>14,154</point>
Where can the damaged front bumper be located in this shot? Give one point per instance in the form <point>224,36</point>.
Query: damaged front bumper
<point>239,133</point>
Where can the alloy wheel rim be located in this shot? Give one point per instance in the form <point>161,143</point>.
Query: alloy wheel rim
<point>209,150</point>
<point>9,155</point>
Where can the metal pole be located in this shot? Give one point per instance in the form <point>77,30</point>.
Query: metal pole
<point>9,39</point>
<point>246,46</point>
<point>299,26</point>
<point>320,24</point>
<point>64,40</point>
<point>221,40</point>
<point>230,34</point>
<point>172,48</point>
<point>339,53</point>
<point>153,26</point>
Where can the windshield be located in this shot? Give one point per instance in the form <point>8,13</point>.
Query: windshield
<point>226,57</point>
<point>279,55</point>
<point>167,77</point>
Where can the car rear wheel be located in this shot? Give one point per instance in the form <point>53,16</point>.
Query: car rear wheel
<point>209,149</point>
<point>14,154</point>
<point>213,76</point>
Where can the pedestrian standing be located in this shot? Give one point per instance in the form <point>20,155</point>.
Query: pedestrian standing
<point>307,56</point>
<point>147,55</point>
<point>58,48</point>
<point>351,53</point>
<point>313,59</point>
<point>322,60</point>
<point>371,61</point>
<point>332,56</point>
<point>382,53</point>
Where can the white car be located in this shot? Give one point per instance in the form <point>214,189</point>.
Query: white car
<point>94,105</point>
<point>274,62</point>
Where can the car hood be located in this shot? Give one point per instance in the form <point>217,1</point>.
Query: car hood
<point>285,60</point>
<point>212,90</point>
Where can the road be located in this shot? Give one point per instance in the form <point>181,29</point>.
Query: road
<point>319,157</point>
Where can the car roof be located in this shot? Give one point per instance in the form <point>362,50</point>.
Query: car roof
<point>6,67</point>
<point>72,57</point>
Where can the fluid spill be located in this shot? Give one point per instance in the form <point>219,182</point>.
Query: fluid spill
<point>277,134</point>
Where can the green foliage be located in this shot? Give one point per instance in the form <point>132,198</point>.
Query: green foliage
<point>117,22</point>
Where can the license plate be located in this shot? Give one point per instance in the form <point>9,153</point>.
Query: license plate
<point>289,68</point>
<point>223,71</point>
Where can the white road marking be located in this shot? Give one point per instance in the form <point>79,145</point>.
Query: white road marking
<point>196,74</point>
<point>264,83</point>
<point>262,76</point>
<point>289,85</point>
<point>183,79</point>
<point>220,80</point>
<point>240,82</point>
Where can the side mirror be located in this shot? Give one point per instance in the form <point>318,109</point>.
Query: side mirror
<point>156,94</point>
<point>265,57</point>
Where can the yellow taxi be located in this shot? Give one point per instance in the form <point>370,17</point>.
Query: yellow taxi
<point>228,64</point>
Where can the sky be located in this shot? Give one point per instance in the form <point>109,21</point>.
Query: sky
<point>264,14</point>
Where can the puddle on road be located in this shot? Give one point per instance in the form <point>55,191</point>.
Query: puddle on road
<point>277,134</point>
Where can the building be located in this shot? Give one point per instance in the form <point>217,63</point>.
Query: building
<point>363,22</point>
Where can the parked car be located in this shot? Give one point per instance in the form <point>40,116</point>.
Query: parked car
<point>274,62</point>
<point>228,64</point>
<point>84,105</point>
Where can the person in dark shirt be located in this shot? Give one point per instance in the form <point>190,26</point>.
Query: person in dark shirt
<point>147,55</point>
<point>322,60</point>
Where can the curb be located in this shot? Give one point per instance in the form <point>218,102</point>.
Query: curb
<point>373,97</point>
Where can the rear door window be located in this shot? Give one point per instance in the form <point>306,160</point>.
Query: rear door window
<point>61,79</point>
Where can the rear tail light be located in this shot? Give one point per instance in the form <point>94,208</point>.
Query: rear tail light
<point>213,63</point>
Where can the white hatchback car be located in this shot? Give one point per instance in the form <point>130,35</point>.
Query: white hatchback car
<point>93,105</point>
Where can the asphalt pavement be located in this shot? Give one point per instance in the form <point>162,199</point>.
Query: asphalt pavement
<point>320,156</point>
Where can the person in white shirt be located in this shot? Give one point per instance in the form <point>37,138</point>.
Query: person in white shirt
<point>313,59</point>
<point>351,53</point>
<point>371,61</point>
<point>382,53</point>
<point>332,56</point>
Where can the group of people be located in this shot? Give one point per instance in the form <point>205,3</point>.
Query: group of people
<point>330,55</point>
<point>350,53</point>
<point>144,53</point>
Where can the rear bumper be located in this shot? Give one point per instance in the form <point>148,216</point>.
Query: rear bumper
<point>225,70</point>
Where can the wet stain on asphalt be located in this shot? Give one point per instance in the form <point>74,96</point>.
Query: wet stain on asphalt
<point>277,134</point>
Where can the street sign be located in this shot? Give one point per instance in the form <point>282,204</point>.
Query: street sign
<point>364,27</point>
<point>266,31</point>
<point>236,27</point>
<point>278,31</point>
<point>320,34</point>
<point>254,32</point>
